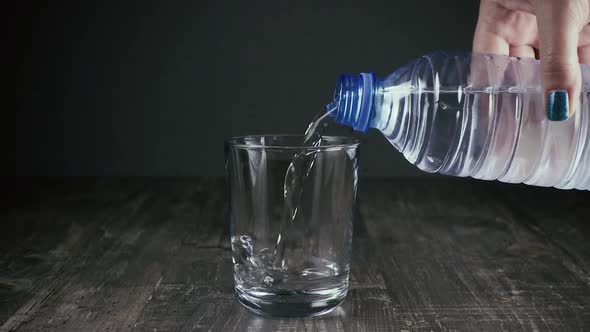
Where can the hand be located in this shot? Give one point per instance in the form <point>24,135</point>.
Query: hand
<point>555,31</point>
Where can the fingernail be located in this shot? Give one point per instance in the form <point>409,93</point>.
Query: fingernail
<point>557,105</point>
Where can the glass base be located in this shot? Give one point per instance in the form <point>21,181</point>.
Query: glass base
<point>295,304</point>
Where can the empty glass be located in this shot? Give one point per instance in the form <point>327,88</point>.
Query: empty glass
<point>291,236</point>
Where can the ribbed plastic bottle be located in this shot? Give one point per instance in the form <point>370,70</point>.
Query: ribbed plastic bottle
<point>478,115</point>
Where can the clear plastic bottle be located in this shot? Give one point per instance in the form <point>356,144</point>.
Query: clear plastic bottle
<point>478,115</point>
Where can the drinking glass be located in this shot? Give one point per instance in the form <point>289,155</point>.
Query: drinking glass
<point>291,215</point>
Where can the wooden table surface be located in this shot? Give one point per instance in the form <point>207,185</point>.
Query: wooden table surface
<point>429,254</point>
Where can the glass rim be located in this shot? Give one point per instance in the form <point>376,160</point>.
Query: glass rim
<point>238,142</point>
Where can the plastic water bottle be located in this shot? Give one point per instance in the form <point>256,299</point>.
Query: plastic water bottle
<point>477,115</point>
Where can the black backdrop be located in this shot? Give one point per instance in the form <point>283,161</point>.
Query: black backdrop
<point>154,87</point>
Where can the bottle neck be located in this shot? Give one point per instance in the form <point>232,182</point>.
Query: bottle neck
<point>353,103</point>
<point>364,102</point>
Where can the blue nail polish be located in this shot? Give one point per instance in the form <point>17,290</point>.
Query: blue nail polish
<point>557,105</point>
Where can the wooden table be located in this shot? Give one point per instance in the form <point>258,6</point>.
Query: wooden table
<point>432,254</point>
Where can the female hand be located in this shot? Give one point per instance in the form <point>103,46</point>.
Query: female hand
<point>555,31</point>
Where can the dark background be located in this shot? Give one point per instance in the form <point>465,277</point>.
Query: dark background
<point>154,87</point>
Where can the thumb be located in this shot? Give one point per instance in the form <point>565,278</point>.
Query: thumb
<point>559,24</point>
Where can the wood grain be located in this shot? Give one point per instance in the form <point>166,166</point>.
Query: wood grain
<point>429,254</point>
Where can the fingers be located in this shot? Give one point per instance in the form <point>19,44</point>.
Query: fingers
<point>585,35</point>
<point>525,51</point>
<point>559,24</point>
<point>584,45</point>
<point>484,40</point>
<point>584,54</point>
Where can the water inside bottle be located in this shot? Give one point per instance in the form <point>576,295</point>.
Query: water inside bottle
<point>487,135</point>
